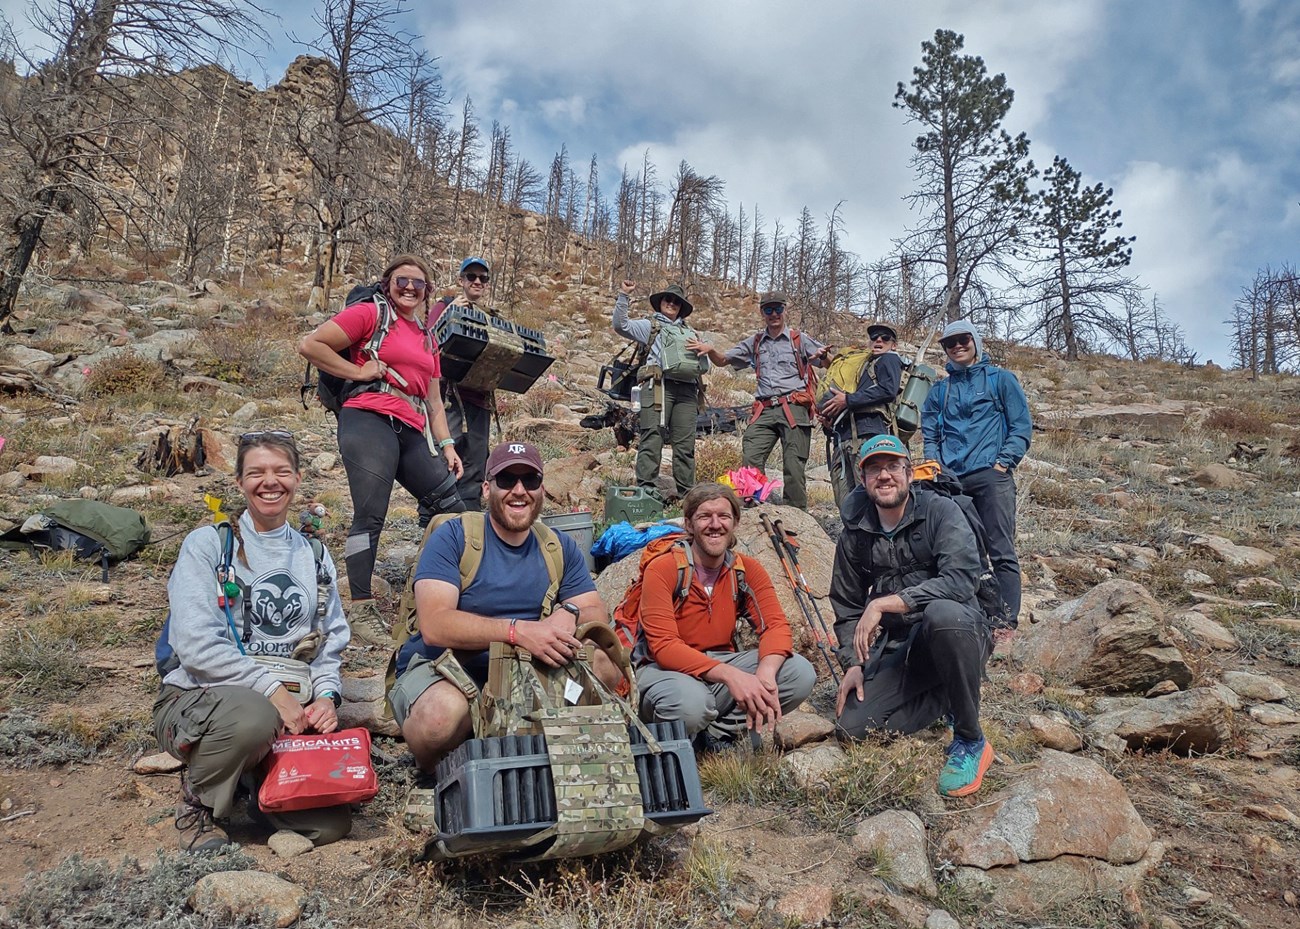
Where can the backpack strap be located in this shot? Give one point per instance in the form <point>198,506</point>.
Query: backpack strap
<point>471,556</point>
<point>685,558</point>
<point>229,588</point>
<point>548,540</point>
<point>323,579</point>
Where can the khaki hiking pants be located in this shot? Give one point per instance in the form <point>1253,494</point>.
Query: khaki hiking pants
<point>222,733</point>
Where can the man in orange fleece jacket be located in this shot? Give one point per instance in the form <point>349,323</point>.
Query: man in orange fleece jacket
<point>689,666</point>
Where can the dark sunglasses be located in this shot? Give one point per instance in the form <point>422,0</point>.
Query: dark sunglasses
<point>772,309</point>
<point>506,481</point>
<point>477,278</point>
<point>882,337</point>
<point>278,435</point>
<point>954,341</point>
<point>413,283</point>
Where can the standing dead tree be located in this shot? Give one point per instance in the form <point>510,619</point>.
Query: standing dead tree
<point>66,127</point>
<point>367,84</point>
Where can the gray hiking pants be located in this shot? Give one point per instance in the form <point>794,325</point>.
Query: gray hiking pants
<point>994,493</point>
<point>669,695</point>
<point>222,733</point>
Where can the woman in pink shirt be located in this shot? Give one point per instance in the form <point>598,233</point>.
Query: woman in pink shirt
<point>392,400</point>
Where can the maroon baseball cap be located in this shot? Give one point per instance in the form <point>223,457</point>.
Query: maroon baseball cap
<point>508,454</point>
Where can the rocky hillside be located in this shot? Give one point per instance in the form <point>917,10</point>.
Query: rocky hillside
<point>1146,720</point>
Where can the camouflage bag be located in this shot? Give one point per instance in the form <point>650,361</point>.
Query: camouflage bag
<point>597,789</point>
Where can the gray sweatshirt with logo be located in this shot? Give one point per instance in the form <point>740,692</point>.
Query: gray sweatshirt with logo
<point>280,584</point>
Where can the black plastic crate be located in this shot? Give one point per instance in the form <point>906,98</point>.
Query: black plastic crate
<point>463,333</point>
<point>497,790</point>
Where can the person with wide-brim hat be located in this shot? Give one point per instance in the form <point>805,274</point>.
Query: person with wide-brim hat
<point>676,293</point>
<point>670,382</point>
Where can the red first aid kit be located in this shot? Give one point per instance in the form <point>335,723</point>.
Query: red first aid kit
<point>307,772</point>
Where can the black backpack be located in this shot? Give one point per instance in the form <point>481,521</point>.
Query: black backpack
<point>987,591</point>
<point>333,391</point>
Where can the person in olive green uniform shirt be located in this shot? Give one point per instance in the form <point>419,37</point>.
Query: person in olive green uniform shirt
<point>670,387</point>
<point>781,405</point>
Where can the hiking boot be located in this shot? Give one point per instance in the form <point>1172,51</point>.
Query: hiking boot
<point>199,832</point>
<point>963,774</point>
<point>368,625</point>
<point>421,810</point>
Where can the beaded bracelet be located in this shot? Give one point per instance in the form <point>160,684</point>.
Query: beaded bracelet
<point>512,631</point>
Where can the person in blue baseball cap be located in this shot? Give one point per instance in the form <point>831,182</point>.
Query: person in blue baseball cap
<point>914,638</point>
<point>469,411</point>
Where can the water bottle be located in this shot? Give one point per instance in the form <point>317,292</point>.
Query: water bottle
<point>636,398</point>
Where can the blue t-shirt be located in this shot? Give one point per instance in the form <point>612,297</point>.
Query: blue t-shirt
<point>511,583</point>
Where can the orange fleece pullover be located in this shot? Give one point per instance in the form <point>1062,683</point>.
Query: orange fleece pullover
<point>678,640</point>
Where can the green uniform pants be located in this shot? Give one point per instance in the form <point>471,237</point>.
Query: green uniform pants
<point>680,408</point>
<point>223,732</point>
<point>796,441</point>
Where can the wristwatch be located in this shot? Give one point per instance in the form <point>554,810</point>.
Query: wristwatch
<point>333,695</point>
<point>575,610</point>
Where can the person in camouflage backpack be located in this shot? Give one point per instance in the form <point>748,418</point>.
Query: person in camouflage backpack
<point>507,601</point>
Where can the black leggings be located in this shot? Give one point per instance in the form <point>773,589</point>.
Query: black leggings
<point>378,450</point>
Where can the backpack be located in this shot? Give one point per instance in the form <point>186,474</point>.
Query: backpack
<point>929,477</point>
<point>903,413</point>
<point>806,371</point>
<point>333,391</point>
<point>230,592</point>
<point>627,615</point>
<point>676,363</point>
<point>91,529</point>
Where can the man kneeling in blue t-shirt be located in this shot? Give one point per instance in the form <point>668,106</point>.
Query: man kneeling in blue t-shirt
<point>501,604</point>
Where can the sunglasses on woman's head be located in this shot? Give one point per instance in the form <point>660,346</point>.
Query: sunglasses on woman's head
<point>413,283</point>
<point>477,278</point>
<point>506,481</point>
<point>278,434</point>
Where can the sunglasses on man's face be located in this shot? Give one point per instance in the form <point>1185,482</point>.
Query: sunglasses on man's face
<point>274,434</point>
<point>957,341</point>
<point>882,337</point>
<point>773,309</point>
<point>477,278</point>
<point>419,285</point>
<point>507,480</point>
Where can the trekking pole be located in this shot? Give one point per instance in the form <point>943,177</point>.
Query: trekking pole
<point>822,639</point>
<point>793,551</point>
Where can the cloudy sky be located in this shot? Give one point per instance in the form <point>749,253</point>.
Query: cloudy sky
<point>1190,110</point>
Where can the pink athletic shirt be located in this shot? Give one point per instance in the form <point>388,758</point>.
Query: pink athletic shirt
<point>405,349</point>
